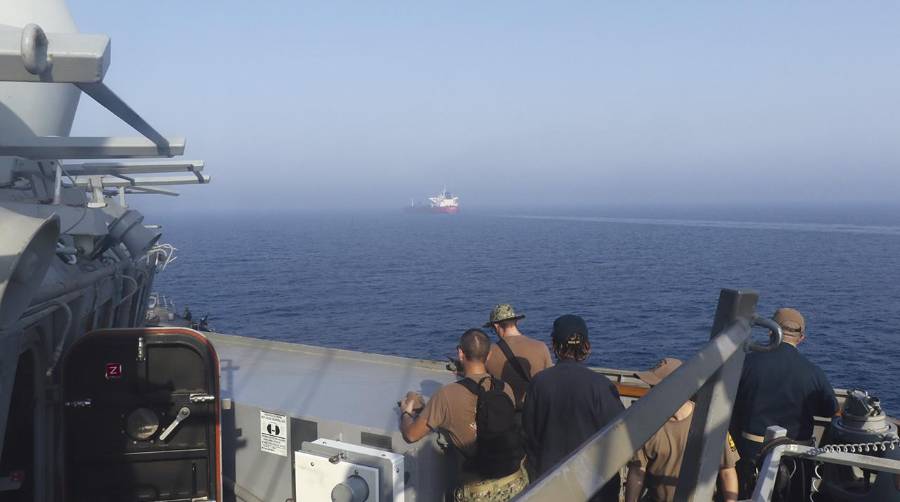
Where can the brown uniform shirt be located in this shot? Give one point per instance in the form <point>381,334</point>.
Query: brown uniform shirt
<point>661,458</point>
<point>532,355</point>
<point>452,410</point>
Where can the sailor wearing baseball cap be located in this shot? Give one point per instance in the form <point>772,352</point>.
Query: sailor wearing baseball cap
<point>781,387</point>
<point>514,358</point>
<point>657,464</point>
<point>567,403</point>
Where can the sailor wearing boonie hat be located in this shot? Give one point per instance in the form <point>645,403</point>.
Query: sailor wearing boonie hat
<point>502,313</point>
<point>514,358</point>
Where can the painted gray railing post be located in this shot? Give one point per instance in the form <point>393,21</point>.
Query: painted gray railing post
<point>769,471</point>
<point>714,404</point>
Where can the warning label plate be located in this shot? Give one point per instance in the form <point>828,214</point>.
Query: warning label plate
<point>273,433</point>
<point>113,371</point>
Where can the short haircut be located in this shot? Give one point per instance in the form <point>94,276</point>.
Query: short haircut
<point>475,344</point>
<point>509,323</point>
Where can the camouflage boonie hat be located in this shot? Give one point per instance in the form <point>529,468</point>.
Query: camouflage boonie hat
<point>502,312</point>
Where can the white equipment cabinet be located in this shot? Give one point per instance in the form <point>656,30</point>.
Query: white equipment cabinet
<point>344,472</point>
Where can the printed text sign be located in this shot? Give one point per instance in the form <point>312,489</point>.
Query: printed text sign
<point>273,433</point>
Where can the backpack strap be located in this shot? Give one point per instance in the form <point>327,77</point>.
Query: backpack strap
<point>476,388</point>
<point>513,361</point>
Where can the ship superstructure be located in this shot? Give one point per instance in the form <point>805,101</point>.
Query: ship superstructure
<point>444,202</point>
<point>76,257</point>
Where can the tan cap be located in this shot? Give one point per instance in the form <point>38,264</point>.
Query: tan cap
<point>659,372</point>
<point>791,321</point>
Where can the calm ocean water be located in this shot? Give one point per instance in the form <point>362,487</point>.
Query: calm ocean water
<point>646,282</point>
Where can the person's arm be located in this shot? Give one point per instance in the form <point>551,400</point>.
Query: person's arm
<point>412,427</point>
<point>728,484</point>
<point>637,470</point>
<point>634,484</point>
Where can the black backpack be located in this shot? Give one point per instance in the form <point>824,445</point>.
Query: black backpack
<point>498,438</point>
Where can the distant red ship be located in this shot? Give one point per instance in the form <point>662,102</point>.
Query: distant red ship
<point>443,203</point>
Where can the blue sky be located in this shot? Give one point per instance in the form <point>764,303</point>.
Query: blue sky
<point>367,104</point>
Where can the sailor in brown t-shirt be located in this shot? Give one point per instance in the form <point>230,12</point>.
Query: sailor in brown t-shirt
<point>451,410</point>
<point>657,464</point>
<point>532,355</point>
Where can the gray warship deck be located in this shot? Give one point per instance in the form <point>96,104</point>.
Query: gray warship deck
<point>322,393</point>
<point>329,384</point>
<point>329,394</point>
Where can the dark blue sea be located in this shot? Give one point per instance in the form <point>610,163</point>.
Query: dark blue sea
<point>646,280</point>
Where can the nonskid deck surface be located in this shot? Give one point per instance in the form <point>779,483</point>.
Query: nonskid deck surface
<point>330,384</point>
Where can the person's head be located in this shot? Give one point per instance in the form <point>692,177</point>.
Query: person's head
<point>793,325</point>
<point>474,346</point>
<point>503,319</point>
<point>504,328</point>
<point>570,338</point>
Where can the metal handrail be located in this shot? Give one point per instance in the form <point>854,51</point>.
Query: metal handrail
<point>768,473</point>
<point>712,375</point>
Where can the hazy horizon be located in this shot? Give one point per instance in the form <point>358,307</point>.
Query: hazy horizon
<point>852,218</point>
<point>319,106</point>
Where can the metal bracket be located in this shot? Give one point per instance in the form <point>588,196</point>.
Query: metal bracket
<point>116,180</point>
<point>64,147</point>
<point>95,185</point>
<point>149,190</point>
<point>106,97</point>
<point>134,167</point>
<point>775,334</point>
<point>30,55</point>
<point>202,398</point>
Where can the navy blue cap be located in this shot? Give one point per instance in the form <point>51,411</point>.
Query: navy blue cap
<point>569,329</point>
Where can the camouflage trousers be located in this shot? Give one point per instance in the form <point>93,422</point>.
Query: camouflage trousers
<point>493,490</point>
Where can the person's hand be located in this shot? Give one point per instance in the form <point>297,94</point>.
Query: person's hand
<point>411,402</point>
<point>455,366</point>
